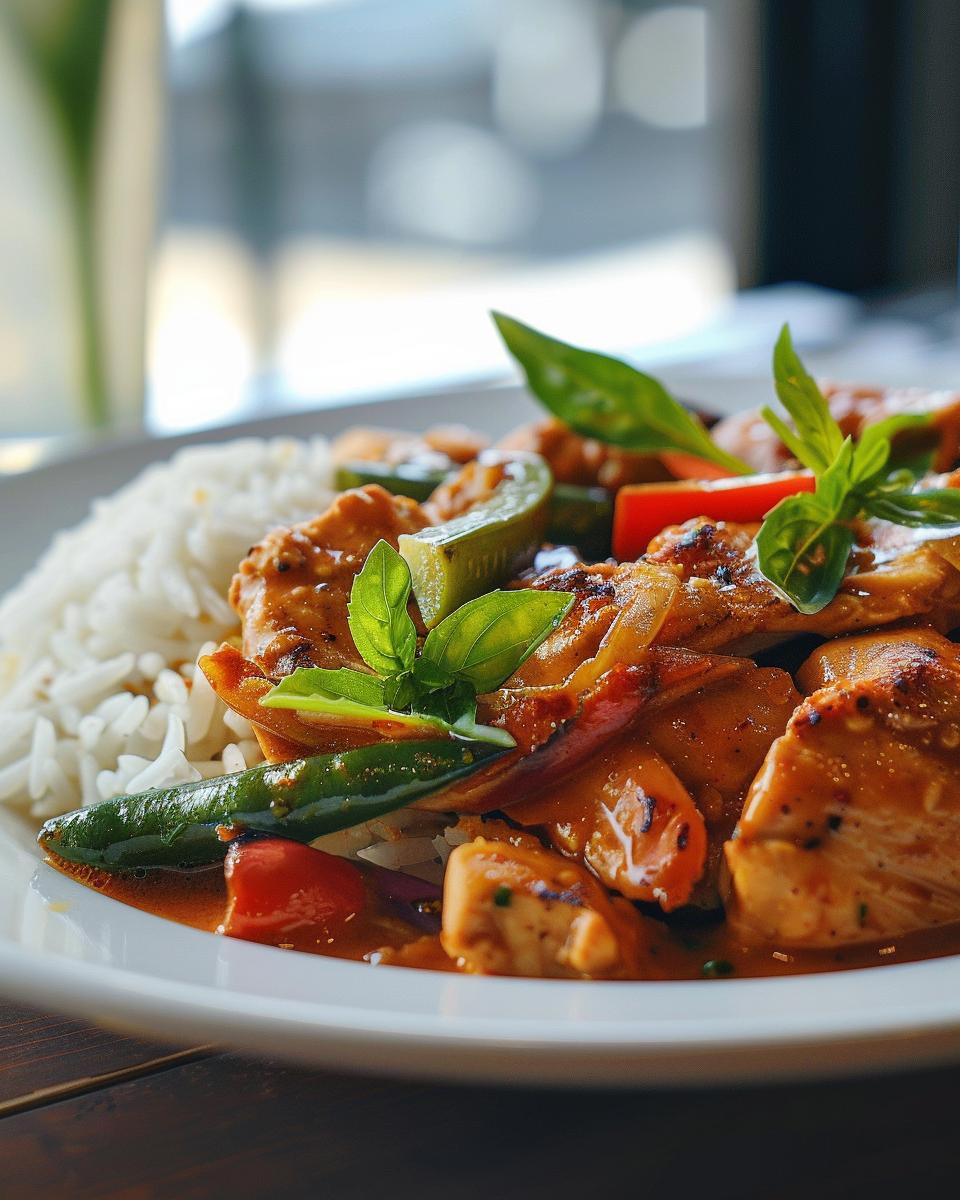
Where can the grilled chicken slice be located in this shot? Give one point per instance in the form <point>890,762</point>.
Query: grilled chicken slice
<point>616,614</point>
<point>650,811</point>
<point>748,436</point>
<point>516,910</point>
<point>291,590</point>
<point>630,819</point>
<point>724,604</point>
<point>558,728</point>
<point>851,830</point>
<point>716,740</point>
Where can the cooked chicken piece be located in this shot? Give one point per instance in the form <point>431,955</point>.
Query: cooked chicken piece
<point>724,604</point>
<point>557,728</point>
<point>616,614</point>
<point>748,436</point>
<point>442,447</point>
<point>583,461</point>
<point>851,830</point>
<point>515,910</point>
<point>716,740</point>
<point>630,819</point>
<point>649,812</point>
<point>870,656</point>
<point>292,593</point>
<point>291,590</point>
<point>472,485</point>
<point>590,680</point>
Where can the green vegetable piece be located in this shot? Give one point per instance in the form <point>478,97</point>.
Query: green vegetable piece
<point>804,543</point>
<point>456,703</point>
<point>380,625</point>
<point>456,561</point>
<point>716,968</point>
<point>581,517</point>
<point>607,399</point>
<point>350,713</point>
<point>300,800</point>
<point>400,479</point>
<point>933,509</point>
<point>474,649</point>
<point>874,449</point>
<point>344,683</point>
<point>502,896</point>
<point>487,639</point>
<point>818,438</point>
<point>803,546</point>
<point>803,553</point>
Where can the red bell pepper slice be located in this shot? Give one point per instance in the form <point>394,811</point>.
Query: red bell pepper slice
<point>276,887</point>
<point>643,510</point>
<point>688,466</point>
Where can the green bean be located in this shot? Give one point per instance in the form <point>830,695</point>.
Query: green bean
<point>192,824</point>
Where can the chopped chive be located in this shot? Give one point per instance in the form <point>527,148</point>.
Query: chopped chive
<point>862,911</point>
<point>502,896</point>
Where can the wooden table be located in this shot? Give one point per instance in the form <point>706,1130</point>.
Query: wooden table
<point>85,1113</point>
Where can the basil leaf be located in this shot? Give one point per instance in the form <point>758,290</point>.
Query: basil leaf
<point>786,435</point>
<point>348,684</point>
<point>874,446</point>
<point>933,509</point>
<point>399,690</point>
<point>803,546</point>
<point>455,703</point>
<point>380,625</point>
<point>429,677</point>
<point>804,543</point>
<point>486,639</point>
<point>607,399</point>
<point>349,712</point>
<point>819,436</point>
<point>835,484</point>
<point>803,553</point>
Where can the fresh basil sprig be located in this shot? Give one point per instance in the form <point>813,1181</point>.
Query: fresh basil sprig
<point>472,651</point>
<point>803,544</point>
<point>607,399</point>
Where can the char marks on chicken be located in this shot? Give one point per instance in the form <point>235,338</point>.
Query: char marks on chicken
<point>292,589</point>
<point>851,830</point>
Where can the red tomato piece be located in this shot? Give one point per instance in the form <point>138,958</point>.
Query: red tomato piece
<point>644,509</point>
<point>276,887</point>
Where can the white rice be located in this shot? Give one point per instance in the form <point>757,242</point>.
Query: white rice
<point>99,691</point>
<point>100,694</point>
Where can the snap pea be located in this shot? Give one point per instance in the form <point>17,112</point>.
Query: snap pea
<point>182,826</point>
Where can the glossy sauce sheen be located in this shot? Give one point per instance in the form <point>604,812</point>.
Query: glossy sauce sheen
<point>198,897</point>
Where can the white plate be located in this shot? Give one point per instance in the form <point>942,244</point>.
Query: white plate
<point>64,947</point>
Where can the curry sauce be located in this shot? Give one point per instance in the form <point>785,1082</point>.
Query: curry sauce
<point>197,898</point>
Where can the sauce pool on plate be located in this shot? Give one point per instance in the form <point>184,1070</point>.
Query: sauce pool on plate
<point>198,897</point>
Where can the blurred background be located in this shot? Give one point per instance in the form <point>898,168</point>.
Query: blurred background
<point>214,209</point>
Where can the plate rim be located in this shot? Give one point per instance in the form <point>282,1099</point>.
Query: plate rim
<point>608,1053</point>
